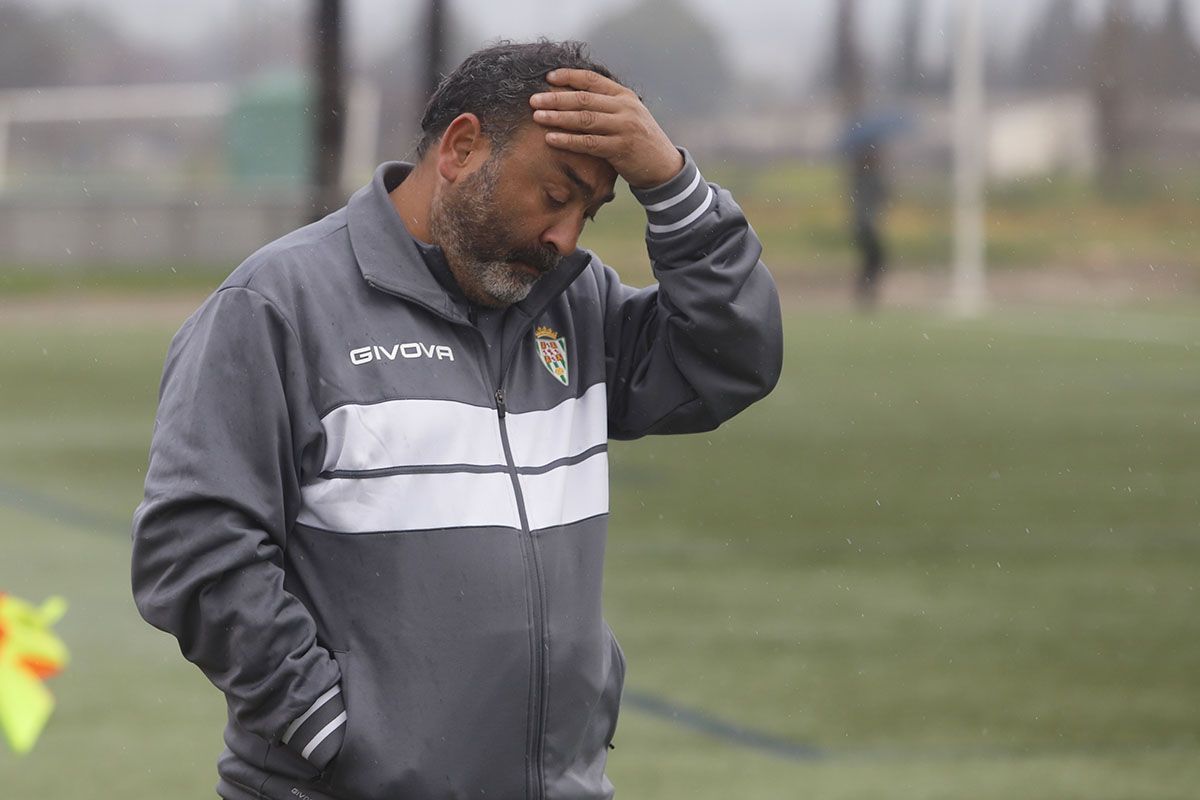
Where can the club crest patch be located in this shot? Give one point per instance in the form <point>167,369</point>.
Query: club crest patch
<point>552,351</point>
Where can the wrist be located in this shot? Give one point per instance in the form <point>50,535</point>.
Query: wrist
<point>665,168</point>
<point>678,203</point>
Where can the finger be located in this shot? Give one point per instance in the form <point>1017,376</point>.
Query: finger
<point>584,79</point>
<point>586,121</point>
<point>575,101</point>
<point>587,143</point>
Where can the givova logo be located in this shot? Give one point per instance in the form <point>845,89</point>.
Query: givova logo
<point>379,352</point>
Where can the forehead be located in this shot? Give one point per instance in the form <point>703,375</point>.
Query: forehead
<point>528,156</point>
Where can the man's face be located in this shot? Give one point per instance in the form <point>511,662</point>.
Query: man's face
<point>511,221</point>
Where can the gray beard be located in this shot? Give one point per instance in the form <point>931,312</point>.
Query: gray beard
<point>502,284</point>
<point>470,232</point>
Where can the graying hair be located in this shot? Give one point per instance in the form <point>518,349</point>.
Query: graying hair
<point>495,84</point>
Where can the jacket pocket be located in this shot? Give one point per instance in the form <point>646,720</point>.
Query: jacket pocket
<point>333,774</point>
<point>615,687</point>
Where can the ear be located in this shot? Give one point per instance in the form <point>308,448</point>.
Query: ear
<point>461,148</point>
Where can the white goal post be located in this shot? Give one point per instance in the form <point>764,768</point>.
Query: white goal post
<point>970,144</point>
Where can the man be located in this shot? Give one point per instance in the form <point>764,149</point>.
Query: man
<point>377,497</point>
<point>868,199</point>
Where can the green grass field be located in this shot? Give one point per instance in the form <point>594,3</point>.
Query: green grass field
<point>958,559</point>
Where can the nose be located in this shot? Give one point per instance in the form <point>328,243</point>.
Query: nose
<point>563,234</point>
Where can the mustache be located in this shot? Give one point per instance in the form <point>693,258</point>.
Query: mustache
<point>543,259</point>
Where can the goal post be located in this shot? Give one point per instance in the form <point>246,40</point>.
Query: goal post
<point>970,144</point>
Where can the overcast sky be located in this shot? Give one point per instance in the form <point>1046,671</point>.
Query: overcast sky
<point>777,40</point>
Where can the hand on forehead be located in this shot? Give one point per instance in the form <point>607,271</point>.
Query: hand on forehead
<point>584,112</point>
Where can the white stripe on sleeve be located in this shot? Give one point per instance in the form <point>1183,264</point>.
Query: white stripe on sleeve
<point>323,734</point>
<point>314,708</point>
<point>688,220</point>
<point>677,199</point>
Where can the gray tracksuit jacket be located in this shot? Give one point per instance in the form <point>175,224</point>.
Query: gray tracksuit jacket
<point>378,527</point>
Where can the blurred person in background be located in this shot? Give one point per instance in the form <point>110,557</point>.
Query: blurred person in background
<point>868,200</point>
<point>376,506</point>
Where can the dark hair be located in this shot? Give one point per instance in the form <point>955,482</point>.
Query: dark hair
<point>495,84</point>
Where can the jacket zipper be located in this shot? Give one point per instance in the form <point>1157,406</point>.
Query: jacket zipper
<point>538,680</point>
<point>537,605</point>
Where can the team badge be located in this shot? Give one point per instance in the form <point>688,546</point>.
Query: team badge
<point>552,351</point>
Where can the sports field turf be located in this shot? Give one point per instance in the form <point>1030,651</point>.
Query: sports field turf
<point>946,559</point>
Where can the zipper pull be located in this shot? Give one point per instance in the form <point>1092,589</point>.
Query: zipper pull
<point>500,402</point>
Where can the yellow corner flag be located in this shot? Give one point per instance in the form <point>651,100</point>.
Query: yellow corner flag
<point>29,653</point>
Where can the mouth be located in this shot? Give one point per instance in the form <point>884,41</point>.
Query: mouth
<point>534,262</point>
<point>527,269</point>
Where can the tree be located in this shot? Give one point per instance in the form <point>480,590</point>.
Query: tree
<point>30,53</point>
<point>329,108</point>
<point>70,48</point>
<point>906,74</point>
<point>1177,65</point>
<point>404,74</point>
<point>435,46</point>
<point>1055,56</point>
<point>668,53</point>
<point>849,75</point>
<point>1111,73</point>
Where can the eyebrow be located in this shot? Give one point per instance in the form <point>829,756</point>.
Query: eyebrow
<point>589,193</point>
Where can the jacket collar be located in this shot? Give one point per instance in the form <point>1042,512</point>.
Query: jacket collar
<point>391,259</point>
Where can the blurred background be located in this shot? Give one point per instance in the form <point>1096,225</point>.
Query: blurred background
<point>955,554</point>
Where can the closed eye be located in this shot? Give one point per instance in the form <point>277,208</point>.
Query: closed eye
<point>556,203</point>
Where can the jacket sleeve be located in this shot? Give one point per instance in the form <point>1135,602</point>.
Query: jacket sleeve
<point>222,490</point>
<point>707,340</point>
